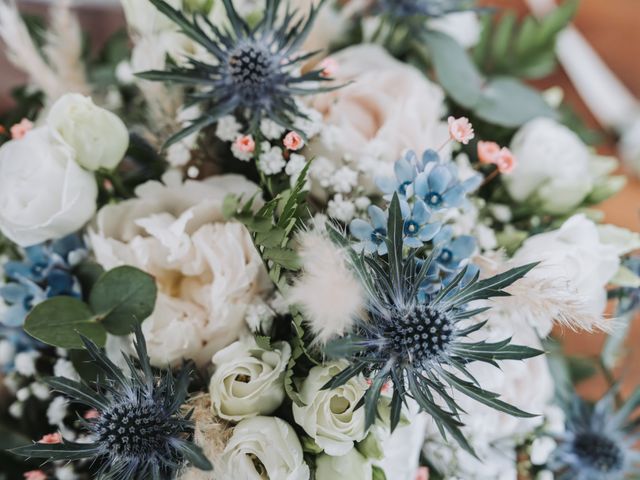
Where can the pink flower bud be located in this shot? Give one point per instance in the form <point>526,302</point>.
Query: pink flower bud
<point>19,130</point>
<point>293,141</point>
<point>461,130</point>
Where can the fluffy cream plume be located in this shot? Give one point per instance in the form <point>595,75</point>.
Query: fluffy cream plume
<point>62,71</point>
<point>210,433</point>
<point>327,292</point>
<point>543,300</point>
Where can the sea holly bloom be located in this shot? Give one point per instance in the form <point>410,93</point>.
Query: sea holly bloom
<point>19,130</point>
<point>461,130</point>
<point>421,8</point>
<point>293,141</point>
<point>372,235</point>
<point>253,72</point>
<point>140,431</point>
<point>418,227</point>
<point>599,443</point>
<point>421,345</point>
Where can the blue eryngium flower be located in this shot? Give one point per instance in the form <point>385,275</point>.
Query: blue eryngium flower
<point>140,431</point>
<point>419,342</point>
<point>423,8</point>
<point>254,68</point>
<point>598,442</point>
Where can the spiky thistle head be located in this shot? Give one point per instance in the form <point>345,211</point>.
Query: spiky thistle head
<point>421,8</point>
<point>139,431</point>
<point>417,341</point>
<point>598,442</point>
<point>254,68</point>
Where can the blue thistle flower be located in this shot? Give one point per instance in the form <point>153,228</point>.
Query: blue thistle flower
<point>421,8</point>
<point>598,442</point>
<point>140,431</point>
<point>254,69</point>
<point>45,272</point>
<point>418,342</point>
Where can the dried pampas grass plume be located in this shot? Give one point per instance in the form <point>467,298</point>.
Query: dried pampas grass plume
<point>327,292</point>
<point>210,433</point>
<point>61,70</point>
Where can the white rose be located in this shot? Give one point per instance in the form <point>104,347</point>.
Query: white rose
<point>264,448</point>
<point>576,260</point>
<point>351,465</point>
<point>145,19</point>
<point>207,271</point>
<point>248,381</point>
<point>99,137</point>
<point>44,193</point>
<point>389,107</point>
<point>330,417</point>
<point>553,164</point>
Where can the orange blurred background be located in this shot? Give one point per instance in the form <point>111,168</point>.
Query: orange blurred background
<point>611,27</point>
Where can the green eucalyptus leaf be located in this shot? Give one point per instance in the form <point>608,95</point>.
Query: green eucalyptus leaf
<point>456,71</point>
<point>123,297</point>
<point>377,473</point>
<point>60,320</point>
<point>508,102</point>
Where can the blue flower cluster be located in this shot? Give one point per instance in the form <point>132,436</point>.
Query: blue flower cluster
<point>426,187</point>
<point>45,272</point>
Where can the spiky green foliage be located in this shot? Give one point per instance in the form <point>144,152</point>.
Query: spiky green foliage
<point>421,344</point>
<point>254,69</point>
<point>140,431</point>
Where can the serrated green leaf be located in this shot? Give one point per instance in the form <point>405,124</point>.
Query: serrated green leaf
<point>60,320</point>
<point>284,257</point>
<point>263,342</point>
<point>123,297</point>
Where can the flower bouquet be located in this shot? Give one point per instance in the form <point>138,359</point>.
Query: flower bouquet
<point>303,239</point>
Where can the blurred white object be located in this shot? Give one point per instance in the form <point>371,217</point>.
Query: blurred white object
<point>613,105</point>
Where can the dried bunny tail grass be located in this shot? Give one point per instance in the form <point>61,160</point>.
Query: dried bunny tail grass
<point>327,292</point>
<point>536,297</point>
<point>63,48</point>
<point>210,433</point>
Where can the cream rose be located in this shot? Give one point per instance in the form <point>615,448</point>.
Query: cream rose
<point>248,380</point>
<point>389,107</point>
<point>44,193</point>
<point>554,166</point>
<point>352,465</point>
<point>208,271</point>
<point>330,417</point>
<point>576,259</point>
<point>263,448</point>
<point>99,137</point>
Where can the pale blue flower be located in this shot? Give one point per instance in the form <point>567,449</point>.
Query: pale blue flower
<point>418,227</point>
<point>453,252</point>
<point>372,235</point>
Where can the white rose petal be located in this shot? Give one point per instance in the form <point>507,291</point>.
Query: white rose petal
<point>98,137</point>
<point>268,441</point>
<point>207,271</point>
<point>389,107</point>
<point>352,465</point>
<point>44,193</point>
<point>553,164</point>
<point>248,381</point>
<point>330,417</point>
